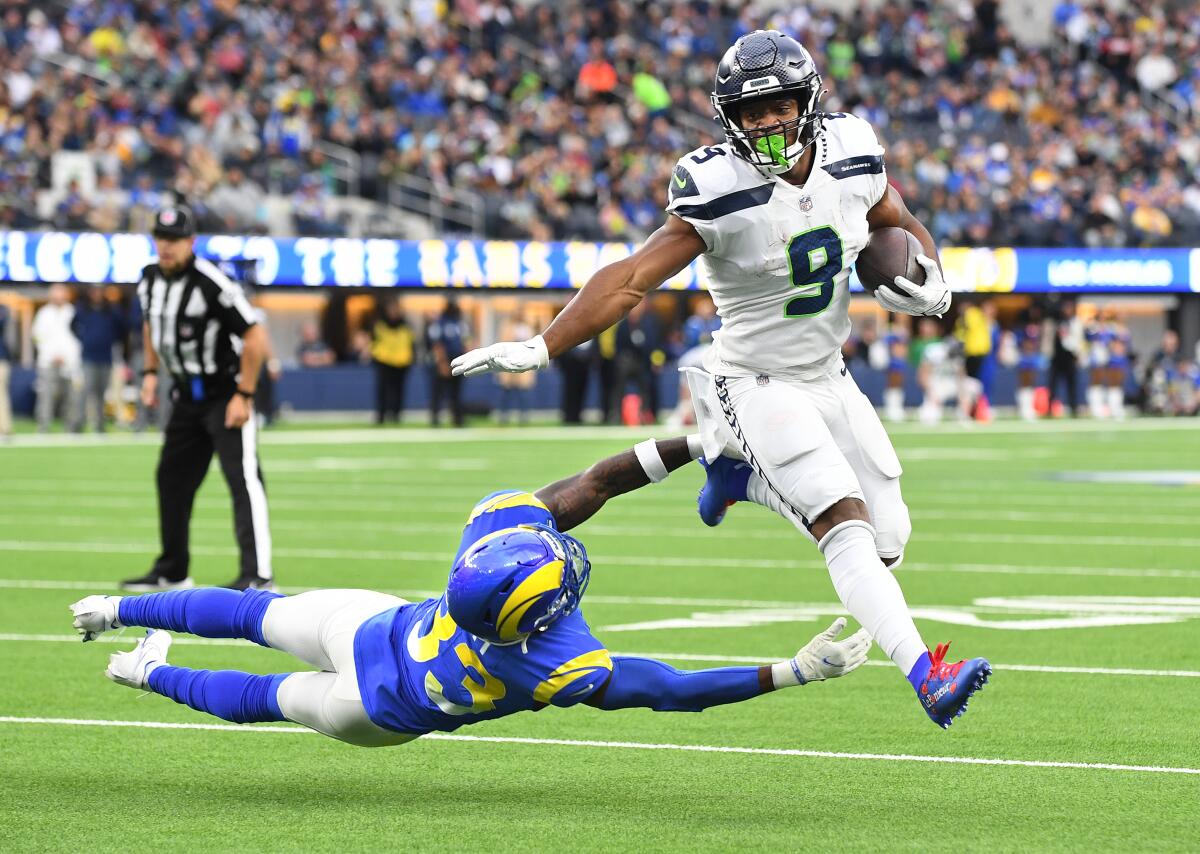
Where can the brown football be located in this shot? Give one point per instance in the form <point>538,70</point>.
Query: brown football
<point>890,252</point>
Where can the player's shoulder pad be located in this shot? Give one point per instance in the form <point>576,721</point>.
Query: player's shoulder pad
<point>712,181</point>
<point>505,499</point>
<point>852,148</point>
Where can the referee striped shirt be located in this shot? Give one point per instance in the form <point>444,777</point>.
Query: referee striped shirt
<point>197,318</point>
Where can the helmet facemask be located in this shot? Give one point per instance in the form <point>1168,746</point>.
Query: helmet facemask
<point>766,148</point>
<point>577,570</point>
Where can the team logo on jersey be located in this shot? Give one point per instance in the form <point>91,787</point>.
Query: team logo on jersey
<point>682,184</point>
<point>806,203</point>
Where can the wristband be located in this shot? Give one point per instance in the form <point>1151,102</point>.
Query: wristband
<point>149,371</point>
<point>249,395</point>
<point>652,462</point>
<point>796,669</point>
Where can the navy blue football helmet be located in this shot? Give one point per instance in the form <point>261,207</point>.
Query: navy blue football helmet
<point>760,64</point>
<point>517,581</point>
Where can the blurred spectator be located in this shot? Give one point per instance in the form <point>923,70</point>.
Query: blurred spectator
<point>1031,360</point>
<point>575,365</point>
<point>310,209</point>
<point>976,330</point>
<point>939,372</point>
<point>1064,361</point>
<point>5,398</point>
<point>1161,380</point>
<point>639,362</point>
<point>312,351</point>
<point>446,338</point>
<point>515,389</point>
<point>895,345</point>
<point>392,353</point>
<point>359,347</point>
<point>698,332</point>
<point>99,327</point>
<point>59,382</point>
<point>238,202</point>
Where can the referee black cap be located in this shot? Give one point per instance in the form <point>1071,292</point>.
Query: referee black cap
<point>175,221</point>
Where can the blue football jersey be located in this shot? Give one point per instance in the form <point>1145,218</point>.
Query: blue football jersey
<point>419,672</point>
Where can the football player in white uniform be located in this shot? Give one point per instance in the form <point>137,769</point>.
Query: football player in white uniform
<point>779,212</point>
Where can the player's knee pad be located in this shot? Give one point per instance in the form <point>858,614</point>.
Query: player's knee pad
<point>892,530</point>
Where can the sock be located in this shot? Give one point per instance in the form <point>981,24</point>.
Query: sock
<point>737,482</point>
<point>243,698</point>
<point>1116,402</point>
<point>210,612</point>
<point>871,593</point>
<point>1025,404</point>
<point>893,404</point>
<point>919,671</point>
<point>1095,399</point>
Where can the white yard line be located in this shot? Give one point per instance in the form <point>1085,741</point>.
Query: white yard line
<point>366,436</point>
<point>628,745</point>
<point>599,559</point>
<point>188,640</point>
<point>731,533</point>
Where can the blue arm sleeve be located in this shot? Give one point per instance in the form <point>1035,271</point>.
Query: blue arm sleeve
<point>646,683</point>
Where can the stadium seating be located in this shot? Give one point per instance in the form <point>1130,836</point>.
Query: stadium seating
<point>562,120</point>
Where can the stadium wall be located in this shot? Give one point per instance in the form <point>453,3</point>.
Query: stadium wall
<point>28,257</point>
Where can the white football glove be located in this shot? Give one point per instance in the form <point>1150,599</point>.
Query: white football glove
<point>932,299</point>
<point>514,357</point>
<point>825,658</point>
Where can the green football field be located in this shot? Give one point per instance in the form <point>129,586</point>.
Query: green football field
<point>1068,553</point>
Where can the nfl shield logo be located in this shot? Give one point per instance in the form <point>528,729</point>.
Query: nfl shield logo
<point>806,203</point>
<point>763,379</point>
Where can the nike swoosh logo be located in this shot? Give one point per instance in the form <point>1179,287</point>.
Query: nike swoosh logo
<point>843,371</point>
<point>680,182</point>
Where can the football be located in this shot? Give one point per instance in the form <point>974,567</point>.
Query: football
<point>890,252</point>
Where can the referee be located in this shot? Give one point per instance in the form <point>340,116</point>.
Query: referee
<point>199,326</point>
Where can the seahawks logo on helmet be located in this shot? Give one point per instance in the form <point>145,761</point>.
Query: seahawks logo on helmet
<point>761,64</point>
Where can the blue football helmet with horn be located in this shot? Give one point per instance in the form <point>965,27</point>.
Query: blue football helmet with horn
<point>763,64</point>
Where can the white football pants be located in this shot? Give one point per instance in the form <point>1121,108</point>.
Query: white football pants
<point>318,627</point>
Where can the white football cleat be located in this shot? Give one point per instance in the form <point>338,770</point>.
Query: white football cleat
<point>133,668</point>
<point>95,615</point>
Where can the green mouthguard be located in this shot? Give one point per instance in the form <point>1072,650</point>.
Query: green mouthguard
<point>773,146</point>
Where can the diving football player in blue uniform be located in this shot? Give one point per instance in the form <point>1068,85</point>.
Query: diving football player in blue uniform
<point>506,636</point>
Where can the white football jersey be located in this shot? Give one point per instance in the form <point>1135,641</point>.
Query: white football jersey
<point>779,256</point>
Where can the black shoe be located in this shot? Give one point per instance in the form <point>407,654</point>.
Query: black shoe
<point>251,582</point>
<point>152,581</point>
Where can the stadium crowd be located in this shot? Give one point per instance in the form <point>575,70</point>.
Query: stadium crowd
<point>564,119</point>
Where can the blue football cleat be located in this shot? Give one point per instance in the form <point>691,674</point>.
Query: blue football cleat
<point>946,688</point>
<point>725,485</point>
